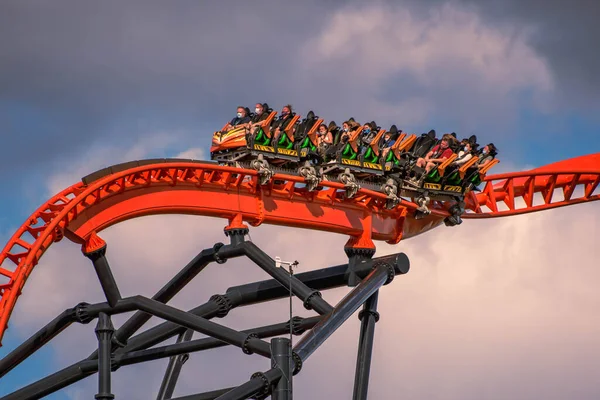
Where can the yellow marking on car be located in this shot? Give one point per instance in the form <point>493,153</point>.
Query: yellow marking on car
<point>351,162</point>
<point>287,152</point>
<point>264,148</point>
<point>452,188</point>
<point>433,186</point>
<point>371,165</point>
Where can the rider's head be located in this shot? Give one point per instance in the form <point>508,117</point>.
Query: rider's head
<point>241,112</point>
<point>322,129</point>
<point>286,110</point>
<point>258,109</point>
<point>446,140</point>
<point>466,146</point>
<point>490,149</point>
<point>366,128</point>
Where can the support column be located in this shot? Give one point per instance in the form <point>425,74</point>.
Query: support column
<point>359,250</point>
<point>381,275</point>
<point>104,332</point>
<point>258,386</point>
<point>171,377</point>
<point>281,357</point>
<point>236,230</point>
<point>368,316</point>
<point>95,249</point>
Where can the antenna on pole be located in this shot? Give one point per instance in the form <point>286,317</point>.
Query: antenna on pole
<point>290,267</point>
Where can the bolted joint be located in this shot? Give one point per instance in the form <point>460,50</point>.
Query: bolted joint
<point>216,249</point>
<point>223,303</point>
<point>297,363</point>
<point>245,346</point>
<point>374,314</point>
<point>358,251</point>
<point>94,247</point>
<point>236,232</point>
<point>104,325</point>
<point>295,325</point>
<point>80,314</point>
<point>265,389</point>
<point>390,270</point>
<point>308,300</point>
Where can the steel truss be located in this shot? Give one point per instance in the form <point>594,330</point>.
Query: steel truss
<point>119,347</point>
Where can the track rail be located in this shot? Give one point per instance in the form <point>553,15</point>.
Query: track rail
<point>576,181</point>
<point>165,186</point>
<point>119,193</point>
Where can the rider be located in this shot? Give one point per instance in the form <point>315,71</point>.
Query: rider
<point>281,123</point>
<point>438,154</point>
<point>260,114</point>
<point>388,140</point>
<point>488,153</point>
<point>324,139</point>
<point>241,118</point>
<point>367,135</point>
<point>465,153</point>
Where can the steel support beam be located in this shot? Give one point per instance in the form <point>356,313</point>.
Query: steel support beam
<point>260,292</point>
<point>212,395</point>
<point>105,275</point>
<point>368,316</point>
<point>104,332</point>
<point>167,387</point>
<point>281,350</point>
<point>196,319</point>
<point>37,341</point>
<point>312,298</point>
<point>299,326</point>
<point>219,253</point>
<point>382,274</point>
<point>259,384</point>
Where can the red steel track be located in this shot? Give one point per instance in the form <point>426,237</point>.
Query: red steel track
<point>186,187</point>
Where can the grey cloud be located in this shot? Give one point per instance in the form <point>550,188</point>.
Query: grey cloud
<point>77,72</point>
<point>565,34</point>
<point>72,70</point>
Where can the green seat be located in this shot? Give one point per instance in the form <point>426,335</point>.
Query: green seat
<point>308,144</point>
<point>370,156</point>
<point>284,142</point>
<point>433,176</point>
<point>261,137</point>
<point>348,153</point>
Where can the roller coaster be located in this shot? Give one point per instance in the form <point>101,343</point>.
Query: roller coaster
<point>250,186</point>
<point>359,156</point>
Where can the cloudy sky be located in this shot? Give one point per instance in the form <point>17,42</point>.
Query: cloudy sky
<point>503,309</point>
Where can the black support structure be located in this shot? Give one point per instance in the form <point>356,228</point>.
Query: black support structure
<point>126,346</point>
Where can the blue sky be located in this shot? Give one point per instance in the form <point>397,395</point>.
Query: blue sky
<point>83,79</point>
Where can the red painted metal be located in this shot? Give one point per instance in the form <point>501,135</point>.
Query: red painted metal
<point>80,211</point>
<point>516,191</point>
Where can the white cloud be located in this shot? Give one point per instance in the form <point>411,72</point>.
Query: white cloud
<point>196,153</point>
<point>446,64</point>
<point>102,156</point>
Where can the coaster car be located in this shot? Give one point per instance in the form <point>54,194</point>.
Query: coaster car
<point>291,146</point>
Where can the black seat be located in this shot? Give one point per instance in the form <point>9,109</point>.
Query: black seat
<point>424,144</point>
<point>305,126</point>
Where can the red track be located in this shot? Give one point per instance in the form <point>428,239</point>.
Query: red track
<point>197,188</point>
